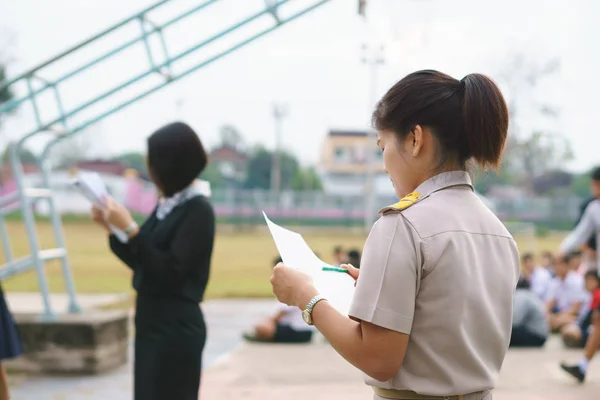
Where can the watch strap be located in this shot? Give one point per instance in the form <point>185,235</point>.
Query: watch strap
<point>311,304</point>
<point>131,228</point>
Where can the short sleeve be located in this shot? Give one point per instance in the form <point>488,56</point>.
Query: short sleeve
<point>551,293</point>
<point>584,230</point>
<point>389,277</point>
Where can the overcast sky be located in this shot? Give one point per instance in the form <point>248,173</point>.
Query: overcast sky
<point>313,65</point>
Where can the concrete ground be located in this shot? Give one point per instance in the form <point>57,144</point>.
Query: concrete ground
<point>316,372</point>
<point>235,370</point>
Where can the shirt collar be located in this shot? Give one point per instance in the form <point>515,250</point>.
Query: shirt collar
<point>443,181</point>
<point>431,185</point>
<point>167,204</point>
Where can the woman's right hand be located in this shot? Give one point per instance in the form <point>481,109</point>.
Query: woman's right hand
<point>352,271</point>
<point>98,217</point>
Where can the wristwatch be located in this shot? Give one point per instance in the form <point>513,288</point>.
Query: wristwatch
<point>307,313</point>
<point>131,228</point>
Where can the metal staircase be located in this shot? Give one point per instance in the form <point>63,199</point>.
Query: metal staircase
<point>67,121</point>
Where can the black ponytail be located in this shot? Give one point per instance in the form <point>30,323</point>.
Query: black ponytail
<point>485,117</point>
<point>469,118</point>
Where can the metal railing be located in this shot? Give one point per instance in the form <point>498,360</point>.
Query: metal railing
<point>65,122</point>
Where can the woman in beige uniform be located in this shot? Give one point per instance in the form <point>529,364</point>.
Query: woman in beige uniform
<point>431,315</point>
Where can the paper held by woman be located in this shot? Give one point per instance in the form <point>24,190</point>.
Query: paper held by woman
<point>337,288</point>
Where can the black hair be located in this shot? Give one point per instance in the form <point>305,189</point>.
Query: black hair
<point>468,117</point>
<point>523,283</point>
<point>175,157</point>
<point>592,274</point>
<point>526,257</point>
<point>565,258</point>
<point>596,174</point>
<point>354,254</point>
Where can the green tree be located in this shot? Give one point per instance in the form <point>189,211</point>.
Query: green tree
<point>213,174</point>
<point>26,156</point>
<point>259,169</point>
<point>232,137</point>
<point>306,179</point>
<point>6,93</point>
<point>531,154</point>
<point>581,185</point>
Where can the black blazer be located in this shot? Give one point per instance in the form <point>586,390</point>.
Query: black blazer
<point>171,257</point>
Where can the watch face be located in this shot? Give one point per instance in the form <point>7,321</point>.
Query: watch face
<point>306,317</point>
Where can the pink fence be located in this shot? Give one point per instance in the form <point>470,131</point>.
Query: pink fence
<point>6,189</point>
<point>139,197</point>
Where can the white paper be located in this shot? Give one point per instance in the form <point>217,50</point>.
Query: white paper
<point>336,287</point>
<point>92,187</point>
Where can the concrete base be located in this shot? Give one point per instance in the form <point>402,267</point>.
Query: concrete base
<point>87,343</point>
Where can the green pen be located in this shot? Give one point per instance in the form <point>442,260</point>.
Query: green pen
<point>335,269</point>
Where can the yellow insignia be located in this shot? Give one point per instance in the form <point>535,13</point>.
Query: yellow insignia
<point>403,204</point>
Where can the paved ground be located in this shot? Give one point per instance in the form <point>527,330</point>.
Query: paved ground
<point>240,371</point>
<point>316,372</point>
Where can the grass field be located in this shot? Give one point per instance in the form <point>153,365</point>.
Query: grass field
<point>240,268</point>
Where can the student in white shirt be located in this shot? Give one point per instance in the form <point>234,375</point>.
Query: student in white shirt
<point>547,262</point>
<point>286,326</point>
<point>539,278</point>
<point>566,295</point>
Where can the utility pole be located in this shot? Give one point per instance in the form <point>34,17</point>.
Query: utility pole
<point>279,113</point>
<point>373,58</point>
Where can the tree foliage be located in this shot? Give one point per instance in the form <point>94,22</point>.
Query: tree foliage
<point>231,137</point>
<point>293,176</point>
<point>26,156</point>
<point>213,174</point>
<point>534,148</point>
<point>6,94</point>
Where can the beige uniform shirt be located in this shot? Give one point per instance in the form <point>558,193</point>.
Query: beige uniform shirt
<point>440,267</point>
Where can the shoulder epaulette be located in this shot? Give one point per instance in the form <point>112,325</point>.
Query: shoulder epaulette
<point>403,204</point>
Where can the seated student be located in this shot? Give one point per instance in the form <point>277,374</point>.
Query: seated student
<point>592,344</point>
<point>576,334</point>
<point>338,256</point>
<point>286,326</point>
<point>576,263</point>
<point>547,262</point>
<point>539,278</point>
<point>354,258</point>
<point>530,327</point>
<point>566,295</point>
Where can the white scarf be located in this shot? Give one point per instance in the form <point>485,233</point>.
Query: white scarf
<point>167,204</point>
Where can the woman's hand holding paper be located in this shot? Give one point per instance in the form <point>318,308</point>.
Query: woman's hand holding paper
<point>116,215</point>
<point>352,270</point>
<point>98,217</point>
<point>292,287</point>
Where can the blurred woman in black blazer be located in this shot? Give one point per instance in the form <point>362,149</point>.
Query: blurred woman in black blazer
<point>170,257</point>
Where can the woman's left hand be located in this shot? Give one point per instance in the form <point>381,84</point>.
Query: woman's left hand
<point>116,215</point>
<point>292,287</point>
